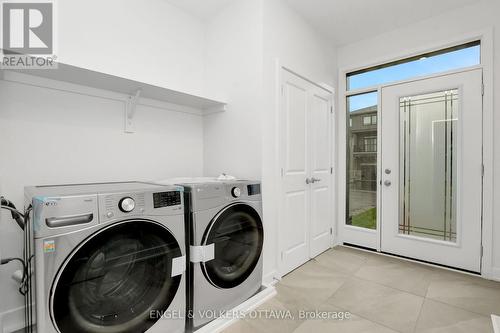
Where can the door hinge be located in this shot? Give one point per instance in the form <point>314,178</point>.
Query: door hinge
<point>331,231</point>
<point>331,170</point>
<point>482,251</point>
<point>331,109</point>
<point>283,89</point>
<point>282,173</point>
<point>482,170</point>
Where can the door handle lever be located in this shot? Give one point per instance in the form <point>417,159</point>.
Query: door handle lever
<point>312,180</point>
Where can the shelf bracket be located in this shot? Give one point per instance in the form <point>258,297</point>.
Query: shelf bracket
<point>130,105</point>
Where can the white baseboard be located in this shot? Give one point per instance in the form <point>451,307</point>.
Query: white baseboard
<point>493,274</point>
<point>496,323</point>
<point>270,279</point>
<point>220,324</point>
<point>12,320</point>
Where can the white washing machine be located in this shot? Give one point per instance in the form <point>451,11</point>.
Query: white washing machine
<point>226,236</point>
<point>109,258</point>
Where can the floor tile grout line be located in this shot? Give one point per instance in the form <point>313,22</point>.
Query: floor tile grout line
<point>419,315</point>
<point>346,274</point>
<point>401,291</point>
<point>361,316</point>
<point>390,287</point>
<point>360,266</point>
<point>371,320</point>
<point>458,307</point>
<point>365,260</point>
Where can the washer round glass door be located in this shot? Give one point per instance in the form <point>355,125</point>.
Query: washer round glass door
<point>116,278</point>
<point>238,236</point>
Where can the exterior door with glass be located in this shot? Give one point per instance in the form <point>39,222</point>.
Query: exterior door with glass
<point>432,169</point>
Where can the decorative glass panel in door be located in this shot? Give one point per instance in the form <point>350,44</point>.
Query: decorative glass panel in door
<point>428,175</point>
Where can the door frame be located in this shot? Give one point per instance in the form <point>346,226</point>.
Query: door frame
<point>487,48</point>
<point>279,68</point>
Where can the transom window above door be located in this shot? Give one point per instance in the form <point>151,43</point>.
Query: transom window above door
<point>455,57</point>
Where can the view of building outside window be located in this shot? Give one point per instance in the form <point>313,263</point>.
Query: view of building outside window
<point>362,161</point>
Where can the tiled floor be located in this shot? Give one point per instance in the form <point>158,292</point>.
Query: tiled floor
<point>383,294</point>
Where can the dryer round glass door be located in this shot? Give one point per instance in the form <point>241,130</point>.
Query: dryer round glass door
<point>113,281</point>
<point>237,235</point>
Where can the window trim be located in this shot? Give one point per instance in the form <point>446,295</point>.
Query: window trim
<point>476,42</point>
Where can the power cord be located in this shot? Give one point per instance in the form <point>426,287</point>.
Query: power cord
<point>16,215</point>
<point>20,219</point>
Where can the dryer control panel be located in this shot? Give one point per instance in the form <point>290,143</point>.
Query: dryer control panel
<point>119,205</point>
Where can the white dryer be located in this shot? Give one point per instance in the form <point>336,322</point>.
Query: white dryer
<point>226,237</point>
<point>109,258</point>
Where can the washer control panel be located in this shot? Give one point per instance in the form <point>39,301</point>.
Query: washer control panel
<point>135,204</point>
<point>166,199</point>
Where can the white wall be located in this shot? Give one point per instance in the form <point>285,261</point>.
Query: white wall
<point>53,137</point>
<point>290,39</point>
<point>428,33</point>
<point>149,41</point>
<point>233,140</point>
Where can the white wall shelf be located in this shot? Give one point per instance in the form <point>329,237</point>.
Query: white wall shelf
<point>137,91</point>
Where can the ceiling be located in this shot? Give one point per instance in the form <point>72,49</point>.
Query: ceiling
<point>202,9</point>
<point>347,21</point>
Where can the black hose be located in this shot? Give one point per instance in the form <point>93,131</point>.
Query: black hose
<point>16,215</point>
<point>25,272</point>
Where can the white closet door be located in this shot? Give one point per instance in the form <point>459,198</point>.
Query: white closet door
<point>294,229</point>
<point>306,179</point>
<point>320,171</point>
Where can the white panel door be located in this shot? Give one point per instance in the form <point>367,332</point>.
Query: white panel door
<point>320,236</point>
<point>295,231</point>
<point>432,169</point>
<point>305,153</point>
